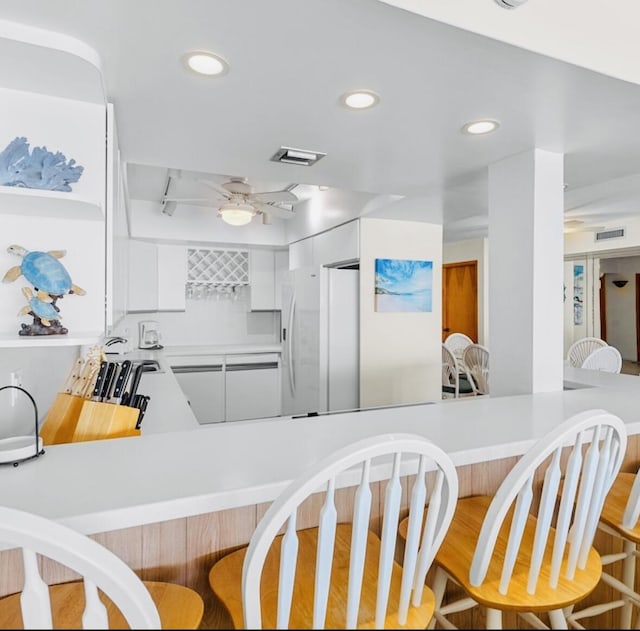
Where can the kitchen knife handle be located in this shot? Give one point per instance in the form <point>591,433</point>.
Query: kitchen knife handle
<point>134,384</point>
<point>122,380</point>
<point>144,401</point>
<point>108,380</point>
<point>102,373</point>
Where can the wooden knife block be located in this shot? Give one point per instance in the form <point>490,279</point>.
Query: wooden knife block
<point>105,420</point>
<point>60,422</point>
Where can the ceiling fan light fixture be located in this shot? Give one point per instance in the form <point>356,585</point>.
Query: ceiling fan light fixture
<point>237,214</point>
<point>206,63</point>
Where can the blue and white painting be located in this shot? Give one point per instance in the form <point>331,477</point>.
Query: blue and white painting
<point>403,285</point>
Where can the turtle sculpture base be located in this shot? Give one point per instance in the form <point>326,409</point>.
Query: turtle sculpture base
<point>37,328</point>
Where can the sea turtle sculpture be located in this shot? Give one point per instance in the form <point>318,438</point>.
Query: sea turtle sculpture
<point>46,316</point>
<point>44,271</point>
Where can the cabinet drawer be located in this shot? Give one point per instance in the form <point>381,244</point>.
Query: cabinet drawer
<point>252,392</point>
<point>254,358</point>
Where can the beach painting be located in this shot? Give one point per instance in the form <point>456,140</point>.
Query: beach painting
<point>403,285</point>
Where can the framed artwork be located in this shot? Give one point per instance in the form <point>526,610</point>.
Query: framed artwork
<point>578,293</point>
<point>403,285</point>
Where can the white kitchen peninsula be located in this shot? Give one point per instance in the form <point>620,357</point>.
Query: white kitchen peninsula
<point>169,503</point>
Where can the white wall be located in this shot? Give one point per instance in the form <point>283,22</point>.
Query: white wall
<point>208,321</point>
<point>400,356</point>
<point>44,373</point>
<point>474,250</point>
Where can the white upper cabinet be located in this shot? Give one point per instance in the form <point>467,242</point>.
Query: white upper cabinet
<point>338,245</point>
<point>52,94</point>
<point>143,276</point>
<point>157,277</point>
<point>172,277</point>
<point>333,247</point>
<point>266,268</point>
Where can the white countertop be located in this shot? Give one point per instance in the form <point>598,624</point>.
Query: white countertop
<point>110,484</point>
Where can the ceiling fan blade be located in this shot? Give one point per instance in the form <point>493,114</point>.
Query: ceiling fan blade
<point>190,200</point>
<point>274,211</point>
<point>216,188</point>
<point>274,196</point>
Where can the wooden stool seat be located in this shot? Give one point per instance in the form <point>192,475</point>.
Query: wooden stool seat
<point>457,551</point>
<point>225,580</point>
<point>179,607</point>
<point>616,504</point>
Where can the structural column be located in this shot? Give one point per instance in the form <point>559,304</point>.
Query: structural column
<point>526,273</point>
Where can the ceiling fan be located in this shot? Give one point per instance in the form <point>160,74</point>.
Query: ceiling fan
<point>238,203</point>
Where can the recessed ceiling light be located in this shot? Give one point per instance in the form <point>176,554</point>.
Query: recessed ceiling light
<point>476,128</point>
<point>360,99</point>
<point>206,63</point>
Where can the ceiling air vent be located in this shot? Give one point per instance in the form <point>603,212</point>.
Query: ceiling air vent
<point>289,155</point>
<point>610,234</point>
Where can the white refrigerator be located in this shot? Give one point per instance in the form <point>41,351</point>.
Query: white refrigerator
<point>320,341</point>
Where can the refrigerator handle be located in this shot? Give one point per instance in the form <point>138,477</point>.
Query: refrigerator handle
<point>292,310</point>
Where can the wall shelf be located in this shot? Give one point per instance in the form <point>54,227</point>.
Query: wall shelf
<point>42,203</point>
<point>82,338</point>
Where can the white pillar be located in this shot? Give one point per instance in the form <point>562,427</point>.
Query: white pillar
<point>526,273</point>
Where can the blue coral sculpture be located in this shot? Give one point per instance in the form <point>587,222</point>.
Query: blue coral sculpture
<point>39,169</point>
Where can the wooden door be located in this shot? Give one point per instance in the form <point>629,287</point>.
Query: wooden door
<point>460,299</point>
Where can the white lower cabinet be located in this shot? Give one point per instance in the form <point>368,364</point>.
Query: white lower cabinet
<point>252,391</point>
<point>203,386</point>
<point>230,388</point>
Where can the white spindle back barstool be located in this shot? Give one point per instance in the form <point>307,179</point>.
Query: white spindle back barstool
<point>77,604</point>
<point>342,574</point>
<point>513,552</point>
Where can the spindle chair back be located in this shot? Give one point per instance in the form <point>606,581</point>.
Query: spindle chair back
<point>343,575</point>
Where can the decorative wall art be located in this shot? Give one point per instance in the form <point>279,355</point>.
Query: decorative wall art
<point>50,281</point>
<point>578,293</point>
<point>39,169</point>
<point>403,285</point>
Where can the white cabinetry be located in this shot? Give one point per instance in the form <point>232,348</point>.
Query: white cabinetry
<point>157,277</point>
<point>143,276</point>
<point>252,387</point>
<point>231,387</point>
<point>172,277</point>
<point>338,245</point>
<point>203,386</point>
<point>266,269</point>
<point>333,247</point>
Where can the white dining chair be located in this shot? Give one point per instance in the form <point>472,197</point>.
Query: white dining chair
<point>475,360</point>
<point>82,604</point>
<point>606,358</point>
<point>341,573</point>
<point>511,552</point>
<point>456,343</point>
<point>582,348</point>
<point>454,382</point>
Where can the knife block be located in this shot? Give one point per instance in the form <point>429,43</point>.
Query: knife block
<point>99,420</point>
<point>60,422</point>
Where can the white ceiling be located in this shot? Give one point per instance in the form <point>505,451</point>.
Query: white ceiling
<point>290,60</point>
